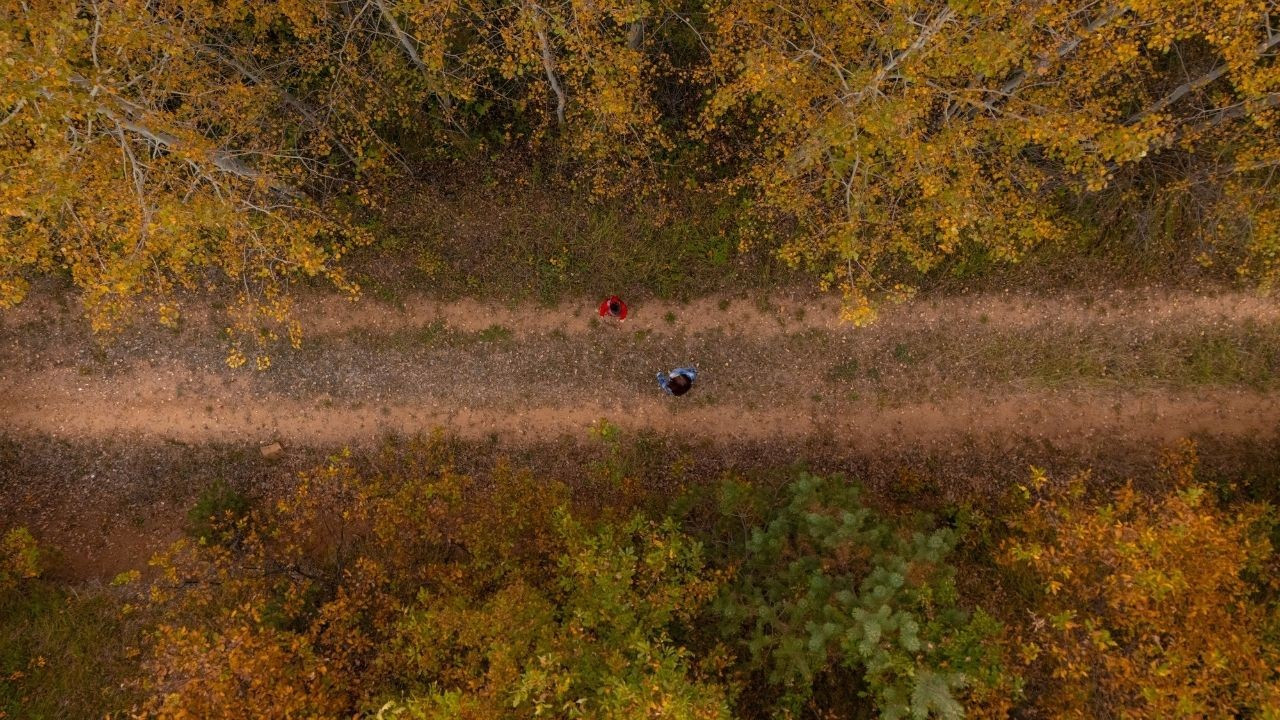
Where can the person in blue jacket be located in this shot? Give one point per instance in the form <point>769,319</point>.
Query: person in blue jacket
<point>678,381</point>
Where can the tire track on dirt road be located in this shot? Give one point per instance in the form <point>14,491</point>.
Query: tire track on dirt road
<point>1066,419</point>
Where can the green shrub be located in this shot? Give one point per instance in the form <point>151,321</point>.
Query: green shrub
<point>595,640</point>
<point>827,586</point>
<point>215,513</point>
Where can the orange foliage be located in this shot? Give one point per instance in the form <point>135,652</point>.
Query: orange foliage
<point>417,591</point>
<point>1145,607</point>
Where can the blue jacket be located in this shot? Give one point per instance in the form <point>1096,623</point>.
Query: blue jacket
<point>664,378</point>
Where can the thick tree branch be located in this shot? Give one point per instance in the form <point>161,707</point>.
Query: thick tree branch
<point>1015,81</point>
<point>17,108</point>
<point>144,214</point>
<point>220,159</point>
<point>1214,119</point>
<point>926,34</point>
<point>1010,86</point>
<point>548,62</point>
<point>1224,115</point>
<point>1194,84</point>
<point>635,35</point>
<point>410,46</point>
<point>408,43</point>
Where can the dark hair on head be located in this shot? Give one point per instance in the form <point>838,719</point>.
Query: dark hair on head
<point>679,384</point>
<point>615,307</point>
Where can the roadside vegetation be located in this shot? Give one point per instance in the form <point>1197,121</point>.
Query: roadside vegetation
<point>398,585</point>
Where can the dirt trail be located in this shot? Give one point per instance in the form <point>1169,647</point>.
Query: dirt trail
<point>779,369</point>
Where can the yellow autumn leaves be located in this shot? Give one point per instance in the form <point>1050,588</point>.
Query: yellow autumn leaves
<point>1143,606</point>
<point>908,132</point>
<point>148,148</point>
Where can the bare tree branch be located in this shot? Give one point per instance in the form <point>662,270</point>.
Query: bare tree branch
<point>926,34</point>
<point>1271,100</point>
<point>1224,115</point>
<point>143,211</point>
<point>410,46</point>
<point>548,62</point>
<point>1194,84</point>
<point>1214,119</point>
<point>17,108</point>
<point>408,43</point>
<point>1061,51</point>
<point>288,98</point>
<point>97,29</point>
<point>220,159</point>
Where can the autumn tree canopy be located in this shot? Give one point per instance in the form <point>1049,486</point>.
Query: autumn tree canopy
<point>411,590</point>
<point>1145,607</point>
<point>155,146</point>
<point>904,132</point>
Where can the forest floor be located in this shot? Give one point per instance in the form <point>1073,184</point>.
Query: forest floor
<point>1066,370</point>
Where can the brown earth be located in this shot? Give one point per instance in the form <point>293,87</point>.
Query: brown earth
<point>768,370</point>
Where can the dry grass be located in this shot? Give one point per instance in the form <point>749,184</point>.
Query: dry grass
<point>545,243</point>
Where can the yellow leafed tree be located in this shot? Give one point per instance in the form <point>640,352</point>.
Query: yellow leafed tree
<point>150,147</point>
<point>894,135</point>
<point>146,152</point>
<point>1145,608</point>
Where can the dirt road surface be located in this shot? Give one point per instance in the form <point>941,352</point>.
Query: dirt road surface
<point>1067,369</point>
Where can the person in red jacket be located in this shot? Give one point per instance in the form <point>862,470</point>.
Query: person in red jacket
<point>613,307</point>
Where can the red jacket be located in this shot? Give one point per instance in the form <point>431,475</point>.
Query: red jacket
<point>605,310</point>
